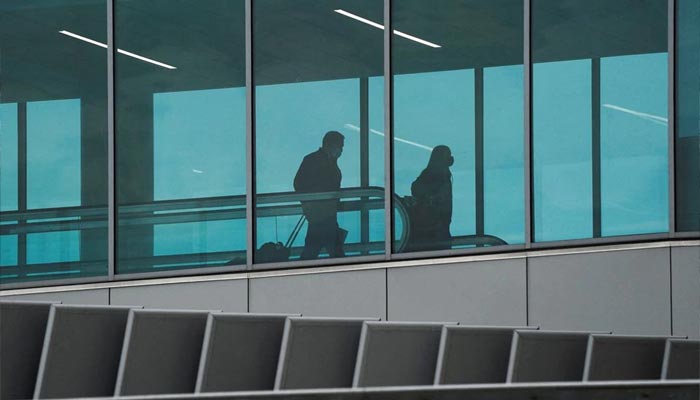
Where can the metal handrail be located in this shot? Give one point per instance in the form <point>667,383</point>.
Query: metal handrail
<point>217,208</point>
<point>194,210</point>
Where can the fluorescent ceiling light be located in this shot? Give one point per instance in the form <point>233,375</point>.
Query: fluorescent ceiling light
<point>379,26</point>
<point>126,53</point>
<point>376,132</point>
<point>649,117</point>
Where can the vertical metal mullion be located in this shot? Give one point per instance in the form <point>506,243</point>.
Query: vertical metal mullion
<point>250,136</point>
<point>596,148</point>
<point>672,13</point>
<point>479,148</point>
<point>388,135</point>
<point>527,139</point>
<point>22,180</point>
<point>364,159</point>
<point>111,145</point>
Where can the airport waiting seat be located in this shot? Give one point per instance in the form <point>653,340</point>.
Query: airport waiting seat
<point>621,357</point>
<point>51,350</point>
<point>81,352</point>
<point>471,354</point>
<point>318,353</point>
<point>681,359</point>
<point>547,356</point>
<point>161,352</point>
<point>397,354</point>
<point>22,331</point>
<point>240,352</point>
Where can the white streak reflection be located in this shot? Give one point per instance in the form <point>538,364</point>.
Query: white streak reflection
<point>378,133</point>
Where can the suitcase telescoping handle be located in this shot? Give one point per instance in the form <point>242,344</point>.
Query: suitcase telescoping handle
<point>295,232</point>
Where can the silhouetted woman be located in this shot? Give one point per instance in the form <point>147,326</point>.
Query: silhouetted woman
<point>432,213</point>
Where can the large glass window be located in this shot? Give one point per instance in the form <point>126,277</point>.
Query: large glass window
<point>599,118</point>
<point>53,133</point>
<point>318,129</point>
<point>458,123</point>
<point>180,134</point>
<point>688,116</point>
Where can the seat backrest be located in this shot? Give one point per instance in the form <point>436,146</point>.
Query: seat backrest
<point>474,354</point>
<point>681,359</point>
<point>240,352</point>
<point>619,357</point>
<point>318,353</point>
<point>547,356</point>
<point>22,332</point>
<point>397,354</point>
<point>161,352</point>
<point>85,344</point>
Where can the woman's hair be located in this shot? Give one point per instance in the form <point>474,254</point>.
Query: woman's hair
<point>440,158</point>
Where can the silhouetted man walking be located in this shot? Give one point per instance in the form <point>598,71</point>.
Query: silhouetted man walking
<point>318,173</point>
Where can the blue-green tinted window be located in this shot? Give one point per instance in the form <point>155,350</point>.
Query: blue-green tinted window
<point>8,157</point>
<point>180,135</point>
<point>504,208</point>
<point>600,123</point>
<point>688,116</point>
<point>188,164</point>
<point>562,182</point>
<point>429,112</point>
<point>458,123</point>
<point>326,76</point>
<point>53,138</point>
<point>634,144</point>
<point>53,153</point>
<point>8,251</point>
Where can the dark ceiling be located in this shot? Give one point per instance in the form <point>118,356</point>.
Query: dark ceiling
<point>298,40</point>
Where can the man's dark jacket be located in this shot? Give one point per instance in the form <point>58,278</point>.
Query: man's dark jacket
<point>317,173</point>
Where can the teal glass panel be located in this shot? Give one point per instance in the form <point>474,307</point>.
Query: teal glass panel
<point>53,154</point>
<point>600,118</point>
<point>54,247</point>
<point>504,208</point>
<point>53,118</point>
<point>458,123</point>
<point>562,171</point>
<point>8,252</point>
<point>688,116</point>
<point>634,144</point>
<point>325,76</point>
<point>9,163</point>
<point>180,136</point>
<point>429,112</point>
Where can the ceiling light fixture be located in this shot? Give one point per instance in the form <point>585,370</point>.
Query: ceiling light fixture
<point>379,26</point>
<point>126,53</point>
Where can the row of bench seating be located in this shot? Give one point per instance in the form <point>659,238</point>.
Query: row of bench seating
<point>59,351</point>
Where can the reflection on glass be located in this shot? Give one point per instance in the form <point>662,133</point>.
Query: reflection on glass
<point>180,134</point>
<point>319,129</point>
<point>458,130</point>
<point>53,133</point>
<point>599,118</point>
<point>634,144</point>
<point>688,116</point>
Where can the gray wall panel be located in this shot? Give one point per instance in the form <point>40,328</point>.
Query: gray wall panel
<point>231,295</point>
<point>336,294</point>
<point>475,293</point>
<point>99,297</point>
<point>623,291</point>
<point>686,291</point>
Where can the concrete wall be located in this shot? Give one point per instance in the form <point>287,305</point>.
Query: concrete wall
<point>685,284</point>
<point>636,291</point>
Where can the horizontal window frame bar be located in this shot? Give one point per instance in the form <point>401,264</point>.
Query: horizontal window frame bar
<point>332,266</point>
